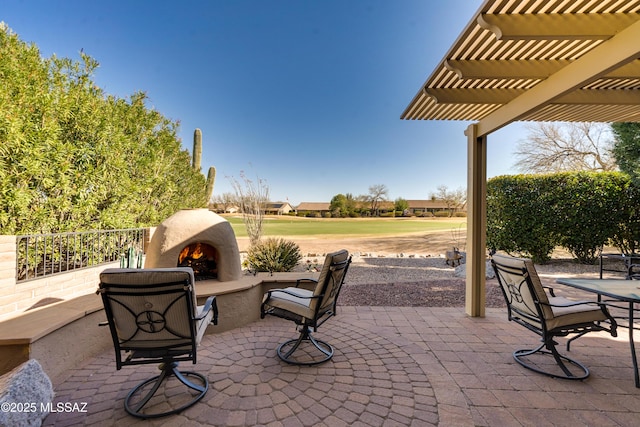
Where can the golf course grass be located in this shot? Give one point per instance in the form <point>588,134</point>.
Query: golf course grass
<point>353,227</point>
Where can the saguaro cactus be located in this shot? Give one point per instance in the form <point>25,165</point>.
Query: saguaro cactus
<point>197,149</point>
<point>211,179</point>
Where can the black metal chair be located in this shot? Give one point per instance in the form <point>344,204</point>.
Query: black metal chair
<point>154,318</point>
<point>308,309</point>
<point>549,316</point>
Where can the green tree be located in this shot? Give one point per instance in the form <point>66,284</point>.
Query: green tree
<point>74,158</point>
<point>401,205</point>
<point>338,206</point>
<point>626,148</point>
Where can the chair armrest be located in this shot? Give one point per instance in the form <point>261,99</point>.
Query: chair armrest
<point>209,304</point>
<point>572,303</point>
<point>305,280</point>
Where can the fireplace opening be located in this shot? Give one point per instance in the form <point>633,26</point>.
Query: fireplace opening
<point>202,258</point>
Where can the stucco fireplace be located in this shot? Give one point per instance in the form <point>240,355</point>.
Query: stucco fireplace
<point>196,238</point>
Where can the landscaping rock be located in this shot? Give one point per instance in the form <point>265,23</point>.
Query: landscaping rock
<point>25,393</point>
<point>461,271</point>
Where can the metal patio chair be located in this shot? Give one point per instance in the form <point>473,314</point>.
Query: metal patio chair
<point>533,306</point>
<point>308,309</point>
<point>154,318</point>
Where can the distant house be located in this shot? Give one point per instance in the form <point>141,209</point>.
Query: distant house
<point>278,208</point>
<point>420,207</point>
<point>221,208</point>
<point>313,207</point>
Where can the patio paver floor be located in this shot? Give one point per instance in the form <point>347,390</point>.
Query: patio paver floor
<point>393,366</point>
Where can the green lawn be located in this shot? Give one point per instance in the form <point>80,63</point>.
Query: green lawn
<point>293,226</point>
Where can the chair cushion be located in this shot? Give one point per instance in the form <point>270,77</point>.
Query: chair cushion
<point>330,280</point>
<point>575,312</point>
<point>298,303</point>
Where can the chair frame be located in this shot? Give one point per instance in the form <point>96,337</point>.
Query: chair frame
<point>167,356</point>
<point>287,349</point>
<point>547,335</point>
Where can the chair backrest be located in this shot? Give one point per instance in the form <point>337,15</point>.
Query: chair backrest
<point>150,310</point>
<point>525,296</point>
<point>332,275</point>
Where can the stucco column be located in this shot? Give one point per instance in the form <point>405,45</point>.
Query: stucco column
<point>476,222</point>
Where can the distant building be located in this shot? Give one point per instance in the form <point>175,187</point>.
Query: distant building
<point>278,208</point>
<point>420,207</point>
<point>314,207</point>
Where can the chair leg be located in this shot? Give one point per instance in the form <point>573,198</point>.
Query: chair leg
<point>135,406</point>
<point>287,349</point>
<point>582,371</point>
<point>575,337</point>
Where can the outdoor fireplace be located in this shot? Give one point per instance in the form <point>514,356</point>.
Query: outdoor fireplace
<point>196,238</point>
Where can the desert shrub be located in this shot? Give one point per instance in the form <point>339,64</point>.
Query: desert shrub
<point>442,214</point>
<point>588,211</point>
<point>519,218</point>
<point>274,255</point>
<point>579,211</point>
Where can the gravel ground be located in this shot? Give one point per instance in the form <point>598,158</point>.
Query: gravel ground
<point>426,281</point>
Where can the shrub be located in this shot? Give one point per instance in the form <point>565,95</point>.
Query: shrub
<point>519,219</point>
<point>274,255</point>
<point>580,211</point>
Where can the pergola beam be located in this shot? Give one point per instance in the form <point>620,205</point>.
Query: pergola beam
<point>563,26</point>
<point>504,96</point>
<point>525,69</point>
<point>602,59</point>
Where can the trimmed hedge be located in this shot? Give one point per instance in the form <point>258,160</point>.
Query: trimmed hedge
<point>579,211</point>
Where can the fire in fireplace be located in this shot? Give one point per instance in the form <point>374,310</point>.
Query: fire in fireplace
<point>202,258</point>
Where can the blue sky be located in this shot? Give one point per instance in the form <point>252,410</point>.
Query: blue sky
<point>305,95</point>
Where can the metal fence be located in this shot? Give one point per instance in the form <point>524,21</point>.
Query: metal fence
<point>40,255</point>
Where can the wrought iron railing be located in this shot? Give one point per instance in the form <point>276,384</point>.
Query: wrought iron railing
<point>40,255</point>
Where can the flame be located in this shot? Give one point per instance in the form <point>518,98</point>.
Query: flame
<point>195,251</point>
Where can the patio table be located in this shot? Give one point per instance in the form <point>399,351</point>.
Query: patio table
<point>622,290</point>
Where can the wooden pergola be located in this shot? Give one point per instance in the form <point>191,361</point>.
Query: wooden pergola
<point>531,60</point>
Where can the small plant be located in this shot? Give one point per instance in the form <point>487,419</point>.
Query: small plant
<point>274,255</point>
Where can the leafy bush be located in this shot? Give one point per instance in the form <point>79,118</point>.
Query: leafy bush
<point>274,255</point>
<point>518,219</point>
<point>580,211</point>
<point>74,158</point>
<point>588,209</point>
